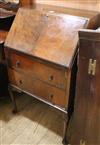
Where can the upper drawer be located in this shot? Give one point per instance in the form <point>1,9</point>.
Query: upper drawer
<point>44,72</point>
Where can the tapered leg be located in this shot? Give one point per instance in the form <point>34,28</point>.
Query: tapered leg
<point>13,100</point>
<point>65,142</point>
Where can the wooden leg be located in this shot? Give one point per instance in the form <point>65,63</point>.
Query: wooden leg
<point>13,100</point>
<point>65,142</point>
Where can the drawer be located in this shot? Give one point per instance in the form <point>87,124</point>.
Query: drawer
<point>38,88</point>
<point>51,75</point>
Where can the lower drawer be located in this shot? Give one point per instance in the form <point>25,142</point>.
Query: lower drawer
<point>36,87</point>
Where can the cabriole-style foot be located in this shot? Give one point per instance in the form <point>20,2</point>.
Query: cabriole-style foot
<point>65,142</point>
<point>14,111</point>
<point>13,101</point>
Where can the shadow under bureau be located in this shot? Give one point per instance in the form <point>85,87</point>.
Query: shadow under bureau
<point>6,19</point>
<point>41,52</point>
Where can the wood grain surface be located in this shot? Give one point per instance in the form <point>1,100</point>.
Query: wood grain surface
<point>86,117</point>
<point>51,37</point>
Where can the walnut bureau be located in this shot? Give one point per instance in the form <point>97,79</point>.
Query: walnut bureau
<point>41,50</point>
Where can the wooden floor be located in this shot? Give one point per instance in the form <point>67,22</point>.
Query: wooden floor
<point>35,124</point>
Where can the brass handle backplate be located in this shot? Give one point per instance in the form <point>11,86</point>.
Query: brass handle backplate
<point>92,67</point>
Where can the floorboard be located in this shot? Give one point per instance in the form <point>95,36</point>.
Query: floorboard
<point>35,124</point>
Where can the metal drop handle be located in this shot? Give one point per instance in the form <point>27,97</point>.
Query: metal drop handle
<point>17,63</point>
<point>51,96</point>
<point>51,77</point>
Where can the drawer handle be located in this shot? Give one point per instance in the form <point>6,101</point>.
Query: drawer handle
<point>51,78</point>
<point>51,96</point>
<point>20,82</point>
<point>17,63</point>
